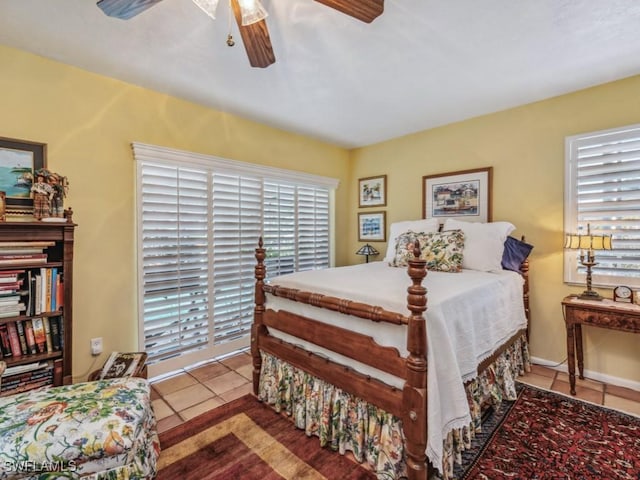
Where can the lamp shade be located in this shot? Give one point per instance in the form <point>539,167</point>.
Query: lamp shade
<point>588,242</point>
<point>367,250</point>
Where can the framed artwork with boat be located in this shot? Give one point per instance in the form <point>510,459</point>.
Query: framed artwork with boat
<point>465,195</point>
<point>19,160</point>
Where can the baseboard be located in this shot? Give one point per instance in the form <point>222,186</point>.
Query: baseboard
<point>600,377</point>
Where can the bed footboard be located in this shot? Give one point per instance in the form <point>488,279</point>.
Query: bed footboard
<point>410,404</point>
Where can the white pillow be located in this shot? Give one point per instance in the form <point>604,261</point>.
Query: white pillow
<point>483,243</point>
<point>396,229</point>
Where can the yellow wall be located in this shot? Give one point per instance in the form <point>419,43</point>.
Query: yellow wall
<point>525,147</point>
<point>88,122</point>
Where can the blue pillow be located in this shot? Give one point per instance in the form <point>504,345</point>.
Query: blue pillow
<point>515,252</point>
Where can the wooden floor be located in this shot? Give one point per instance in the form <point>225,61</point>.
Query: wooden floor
<point>195,390</point>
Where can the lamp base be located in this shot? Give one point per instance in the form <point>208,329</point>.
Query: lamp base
<point>590,295</point>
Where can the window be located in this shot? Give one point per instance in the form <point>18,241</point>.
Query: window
<point>199,221</point>
<point>603,192</point>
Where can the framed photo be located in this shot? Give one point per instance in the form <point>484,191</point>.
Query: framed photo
<point>19,159</point>
<point>372,227</point>
<point>372,191</point>
<point>465,195</point>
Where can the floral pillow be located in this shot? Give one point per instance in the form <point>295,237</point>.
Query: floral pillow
<point>442,250</point>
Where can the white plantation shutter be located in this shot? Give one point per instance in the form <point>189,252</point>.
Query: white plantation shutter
<point>199,221</point>
<point>313,228</point>
<point>279,228</point>
<point>296,227</point>
<point>174,260</point>
<point>237,224</point>
<point>603,191</point>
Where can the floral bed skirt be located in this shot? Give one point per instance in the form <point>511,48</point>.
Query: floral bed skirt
<point>344,422</point>
<point>103,430</point>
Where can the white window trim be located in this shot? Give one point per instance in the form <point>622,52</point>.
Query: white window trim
<point>143,151</point>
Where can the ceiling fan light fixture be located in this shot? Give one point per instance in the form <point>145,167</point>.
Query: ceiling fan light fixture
<point>252,11</point>
<point>208,6</point>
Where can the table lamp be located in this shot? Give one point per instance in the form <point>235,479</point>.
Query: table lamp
<point>590,243</point>
<point>367,250</point>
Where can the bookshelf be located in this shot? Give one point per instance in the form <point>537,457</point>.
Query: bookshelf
<point>36,286</point>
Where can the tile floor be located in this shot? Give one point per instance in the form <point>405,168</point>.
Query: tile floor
<point>612,396</point>
<point>195,390</point>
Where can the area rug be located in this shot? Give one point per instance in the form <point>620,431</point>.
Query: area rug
<point>540,436</point>
<point>543,435</point>
<point>247,440</point>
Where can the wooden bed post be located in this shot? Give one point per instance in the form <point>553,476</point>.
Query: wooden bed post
<point>258,327</point>
<point>414,394</point>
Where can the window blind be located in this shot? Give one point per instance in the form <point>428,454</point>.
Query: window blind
<point>237,224</point>
<point>603,191</point>
<point>199,221</point>
<point>175,249</point>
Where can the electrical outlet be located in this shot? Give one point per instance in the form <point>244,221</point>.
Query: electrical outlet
<point>96,346</point>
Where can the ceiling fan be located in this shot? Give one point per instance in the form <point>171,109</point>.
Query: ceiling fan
<point>250,17</point>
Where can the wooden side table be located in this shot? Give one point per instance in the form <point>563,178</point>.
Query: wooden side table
<point>604,314</point>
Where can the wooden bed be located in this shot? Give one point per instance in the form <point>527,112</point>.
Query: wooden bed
<point>408,403</point>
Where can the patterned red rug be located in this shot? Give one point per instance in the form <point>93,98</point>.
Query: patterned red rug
<point>546,436</point>
<point>247,440</point>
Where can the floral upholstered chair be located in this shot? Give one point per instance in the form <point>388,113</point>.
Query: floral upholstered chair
<point>102,430</point>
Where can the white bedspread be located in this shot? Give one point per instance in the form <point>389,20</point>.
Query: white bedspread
<point>469,315</point>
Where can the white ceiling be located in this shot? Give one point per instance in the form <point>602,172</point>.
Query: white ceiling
<point>421,64</point>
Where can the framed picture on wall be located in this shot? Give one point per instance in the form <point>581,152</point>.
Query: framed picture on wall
<point>372,227</point>
<point>465,195</point>
<point>19,159</point>
<point>372,191</point>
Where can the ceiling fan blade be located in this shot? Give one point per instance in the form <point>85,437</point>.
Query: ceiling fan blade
<point>256,40</point>
<point>364,10</point>
<point>125,9</point>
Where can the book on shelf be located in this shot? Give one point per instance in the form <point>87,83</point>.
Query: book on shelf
<point>14,387</point>
<point>27,243</point>
<point>47,334</point>
<point>47,291</point>
<point>26,387</point>
<point>11,286</point>
<point>44,288</point>
<point>20,250</point>
<point>54,324</point>
<point>37,295</point>
<point>27,367</point>
<point>59,291</point>
<point>5,345</point>
<point>30,337</point>
<point>14,309</point>
<point>31,293</point>
<point>10,299</point>
<point>39,335</point>
<point>10,276</point>
<point>23,259</point>
<point>123,364</point>
<point>29,376</point>
<point>14,339</point>
<point>22,336</point>
<point>52,293</point>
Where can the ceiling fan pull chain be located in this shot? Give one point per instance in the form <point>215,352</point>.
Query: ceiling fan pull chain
<point>230,41</point>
